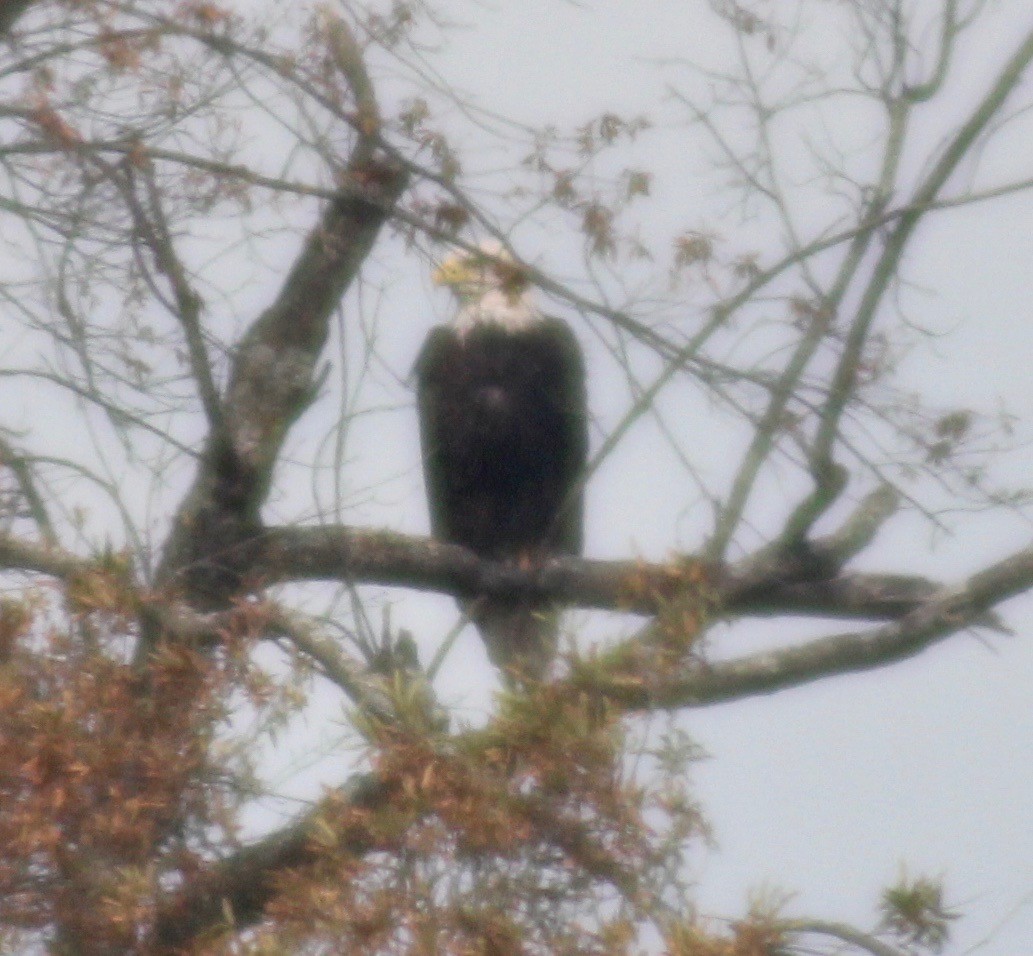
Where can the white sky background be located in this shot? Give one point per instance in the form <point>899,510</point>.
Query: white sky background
<point>824,791</point>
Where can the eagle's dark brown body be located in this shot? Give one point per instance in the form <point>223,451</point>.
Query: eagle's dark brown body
<point>503,426</point>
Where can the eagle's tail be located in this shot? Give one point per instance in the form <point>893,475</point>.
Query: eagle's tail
<point>521,637</point>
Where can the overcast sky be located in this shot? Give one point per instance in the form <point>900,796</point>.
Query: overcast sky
<point>825,792</point>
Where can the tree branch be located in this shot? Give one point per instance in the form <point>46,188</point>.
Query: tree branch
<point>17,554</point>
<point>844,379</point>
<point>10,11</point>
<point>151,226</point>
<point>272,375</point>
<point>921,612</point>
<point>23,474</point>
<point>235,890</point>
<point>842,932</point>
<point>932,620</point>
<point>766,584</point>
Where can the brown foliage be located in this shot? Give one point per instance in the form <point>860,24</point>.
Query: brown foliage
<point>106,780</point>
<point>525,836</point>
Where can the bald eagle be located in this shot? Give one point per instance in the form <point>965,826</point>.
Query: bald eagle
<point>503,429</point>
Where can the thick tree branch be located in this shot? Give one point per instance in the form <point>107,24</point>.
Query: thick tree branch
<point>940,616</point>
<point>271,380</point>
<point>348,58</point>
<point>235,890</point>
<point>767,584</point>
<point>18,554</point>
<point>10,11</point>
<point>921,612</point>
<point>272,376</point>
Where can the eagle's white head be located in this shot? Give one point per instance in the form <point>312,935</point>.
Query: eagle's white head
<point>490,287</point>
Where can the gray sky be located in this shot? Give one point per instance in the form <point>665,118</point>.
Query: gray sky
<point>824,792</point>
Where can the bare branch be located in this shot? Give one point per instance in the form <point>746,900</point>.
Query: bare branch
<point>844,380</point>
<point>933,620</point>
<point>353,677</point>
<point>23,473</point>
<point>768,427</point>
<point>152,227</point>
<point>348,58</point>
<point>17,554</point>
<point>860,529</point>
<point>772,582</point>
<point>841,932</point>
<point>273,374</point>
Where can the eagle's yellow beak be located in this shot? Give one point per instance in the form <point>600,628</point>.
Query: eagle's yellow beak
<point>453,271</point>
